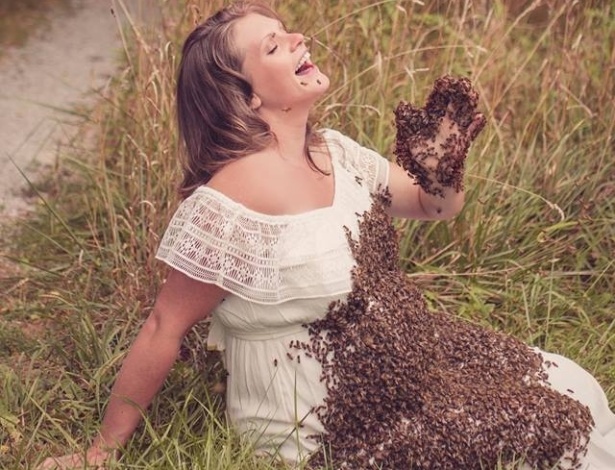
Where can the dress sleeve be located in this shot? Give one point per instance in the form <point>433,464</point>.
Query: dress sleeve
<point>211,239</point>
<point>368,165</point>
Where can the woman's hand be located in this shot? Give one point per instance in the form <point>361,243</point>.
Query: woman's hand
<point>95,458</point>
<point>182,302</point>
<point>432,142</point>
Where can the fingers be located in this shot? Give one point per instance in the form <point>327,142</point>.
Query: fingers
<point>450,169</point>
<point>476,126</point>
<point>450,96</point>
<point>46,465</point>
<point>432,143</point>
<point>60,463</point>
<point>412,122</point>
<point>458,100</point>
<point>49,464</point>
<point>455,97</point>
<point>95,460</point>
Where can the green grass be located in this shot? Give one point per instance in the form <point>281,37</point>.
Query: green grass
<point>531,254</point>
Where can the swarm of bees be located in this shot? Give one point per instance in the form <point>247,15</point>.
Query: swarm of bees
<point>432,142</point>
<point>415,389</point>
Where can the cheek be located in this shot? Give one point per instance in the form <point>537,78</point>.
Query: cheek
<point>277,72</point>
<point>273,80</point>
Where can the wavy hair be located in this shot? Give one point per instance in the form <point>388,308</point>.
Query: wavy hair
<point>216,123</point>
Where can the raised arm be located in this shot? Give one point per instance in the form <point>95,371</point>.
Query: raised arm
<point>431,146</point>
<point>182,302</point>
<point>410,201</point>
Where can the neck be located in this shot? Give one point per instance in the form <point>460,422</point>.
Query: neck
<point>289,129</point>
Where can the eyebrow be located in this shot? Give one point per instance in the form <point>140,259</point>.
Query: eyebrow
<point>273,33</point>
<point>266,40</point>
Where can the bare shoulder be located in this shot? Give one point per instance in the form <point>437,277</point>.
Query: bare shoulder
<point>250,181</point>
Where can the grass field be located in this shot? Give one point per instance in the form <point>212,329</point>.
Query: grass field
<point>532,253</point>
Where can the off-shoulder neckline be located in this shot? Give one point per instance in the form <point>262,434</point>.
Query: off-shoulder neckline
<point>318,211</point>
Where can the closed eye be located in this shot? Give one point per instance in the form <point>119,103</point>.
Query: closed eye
<point>272,42</point>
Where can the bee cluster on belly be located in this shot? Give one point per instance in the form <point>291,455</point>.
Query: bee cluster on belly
<point>438,164</point>
<point>415,389</point>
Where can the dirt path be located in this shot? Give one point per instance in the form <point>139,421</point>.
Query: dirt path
<point>66,65</point>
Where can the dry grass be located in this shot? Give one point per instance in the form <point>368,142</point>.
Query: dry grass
<point>19,20</point>
<point>531,254</point>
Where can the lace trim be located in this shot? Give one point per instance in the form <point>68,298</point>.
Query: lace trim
<point>366,164</point>
<point>271,259</point>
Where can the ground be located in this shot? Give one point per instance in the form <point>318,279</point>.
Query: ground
<point>61,69</point>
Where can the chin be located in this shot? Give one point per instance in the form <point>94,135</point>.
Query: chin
<point>325,82</point>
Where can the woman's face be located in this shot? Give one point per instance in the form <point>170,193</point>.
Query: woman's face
<point>277,64</point>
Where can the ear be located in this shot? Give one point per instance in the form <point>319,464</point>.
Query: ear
<point>255,102</point>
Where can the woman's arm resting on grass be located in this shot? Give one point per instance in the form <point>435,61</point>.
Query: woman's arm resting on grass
<point>181,303</point>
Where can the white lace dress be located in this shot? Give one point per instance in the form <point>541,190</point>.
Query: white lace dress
<point>282,272</point>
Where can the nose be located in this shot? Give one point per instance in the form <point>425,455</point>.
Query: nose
<point>296,40</point>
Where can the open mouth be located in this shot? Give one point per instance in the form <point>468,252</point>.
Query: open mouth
<point>304,65</point>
